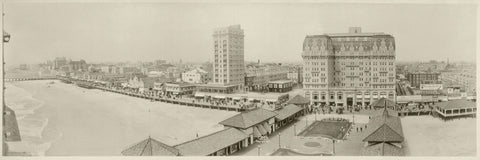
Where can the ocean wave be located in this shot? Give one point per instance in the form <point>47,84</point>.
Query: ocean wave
<point>31,126</point>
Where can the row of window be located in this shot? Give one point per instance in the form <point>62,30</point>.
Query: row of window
<point>366,57</point>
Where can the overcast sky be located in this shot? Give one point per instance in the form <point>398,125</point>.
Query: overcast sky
<point>101,32</point>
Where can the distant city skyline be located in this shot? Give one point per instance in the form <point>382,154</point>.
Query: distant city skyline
<point>111,32</point>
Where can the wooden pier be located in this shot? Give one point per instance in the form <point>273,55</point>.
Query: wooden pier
<point>30,79</point>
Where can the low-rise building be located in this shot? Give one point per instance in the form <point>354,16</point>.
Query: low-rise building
<point>179,89</point>
<point>301,102</point>
<point>418,78</point>
<point>456,108</point>
<point>141,83</point>
<point>384,136</point>
<point>255,123</point>
<point>287,115</point>
<point>280,86</point>
<point>465,79</point>
<point>128,70</point>
<point>258,76</point>
<point>196,75</point>
<point>295,74</point>
<point>221,143</point>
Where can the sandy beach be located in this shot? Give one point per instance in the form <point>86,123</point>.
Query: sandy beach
<point>428,136</point>
<point>65,120</point>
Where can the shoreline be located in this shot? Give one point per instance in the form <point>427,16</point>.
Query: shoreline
<point>124,120</point>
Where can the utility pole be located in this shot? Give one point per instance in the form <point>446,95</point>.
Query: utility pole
<point>333,142</point>
<point>258,148</point>
<point>294,129</point>
<point>279,146</point>
<point>306,121</point>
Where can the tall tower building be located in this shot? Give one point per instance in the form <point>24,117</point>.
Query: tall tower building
<point>352,68</point>
<point>228,65</point>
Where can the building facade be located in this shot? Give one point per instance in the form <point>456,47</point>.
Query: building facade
<point>258,76</point>
<point>228,65</point>
<point>352,68</point>
<point>59,62</point>
<point>178,89</point>
<point>196,75</point>
<point>295,74</point>
<point>280,86</point>
<point>465,79</point>
<point>80,65</point>
<point>418,78</point>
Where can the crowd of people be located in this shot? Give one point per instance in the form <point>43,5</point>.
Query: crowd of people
<point>238,103</point>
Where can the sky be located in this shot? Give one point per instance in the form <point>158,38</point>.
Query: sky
<point>114,32</point>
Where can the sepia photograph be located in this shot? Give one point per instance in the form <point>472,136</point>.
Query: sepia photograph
<point>232,78</point>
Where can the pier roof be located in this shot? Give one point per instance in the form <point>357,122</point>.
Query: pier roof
<point>456,104</point>
<point>287,111</point>
<point>211,143</point>
<point>247,119</point>
<point>385,128</point>
<point>150,147</point>
<point>298,99</point>
<point>382,102</point>
<point>383,149</point>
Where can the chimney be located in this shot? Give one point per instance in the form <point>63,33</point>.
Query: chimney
<point>355,30</point>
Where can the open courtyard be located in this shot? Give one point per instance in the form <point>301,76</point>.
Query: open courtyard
<point>328,128</point>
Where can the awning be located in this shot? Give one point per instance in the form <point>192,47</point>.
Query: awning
<point>251,99</point>
<point>199,95</point>
<point>262,129</point>
<point>266,126</point>
<point>256,133</point>
<point>219,97</point>
<point>236,98</point>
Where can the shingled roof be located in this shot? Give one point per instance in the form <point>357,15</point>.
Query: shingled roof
<point>11,133</point>
<point>209,144</point>
<point>150,147</point>
<point>381,103</point>
<point>383,149</point>
<point>458,104</point>
<point>287,111</point>
<point>247,119</point>
<point>298,99</point>
<point>385,128</point>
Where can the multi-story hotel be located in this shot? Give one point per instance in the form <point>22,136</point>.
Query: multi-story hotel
<point>228,66</point>
<point>352,68</point>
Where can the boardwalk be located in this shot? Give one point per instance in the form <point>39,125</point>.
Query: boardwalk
<point>185,102</point>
